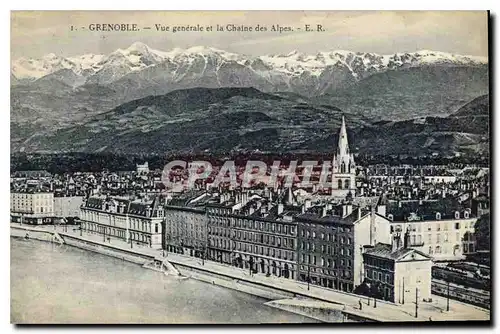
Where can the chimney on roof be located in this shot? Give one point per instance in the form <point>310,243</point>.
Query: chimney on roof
<point>245,197</point>
<point>238,198</point>
<point>323,211</point>
<point>280,208</point>
<point>346,210</point>
<point>396,242</point>
<point>407,238</point>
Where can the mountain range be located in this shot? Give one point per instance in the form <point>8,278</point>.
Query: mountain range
<point>140,67</point>
<point>162,99</point>
<point>222,120</point>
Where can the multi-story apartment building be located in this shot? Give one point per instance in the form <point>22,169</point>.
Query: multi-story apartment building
<point>32,206</point>
<point>442,229</point>
<point>331,241</point>
<point>264,237</point>
<point>186,225</point>
<point>137,221</point>
<point>253,233</point>
<point>396,272</point>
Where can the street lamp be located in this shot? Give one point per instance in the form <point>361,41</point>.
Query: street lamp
<point>416,302</point>
<point>448,297</point>
<point>308,275</point>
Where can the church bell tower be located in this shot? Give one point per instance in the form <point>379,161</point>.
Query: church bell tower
<point>343,167</point>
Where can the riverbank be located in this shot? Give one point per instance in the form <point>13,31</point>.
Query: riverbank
<point>139,256</point>
<point>274,288</point>
<point>52,284</point>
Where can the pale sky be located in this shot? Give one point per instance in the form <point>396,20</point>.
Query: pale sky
<point>34,34</point>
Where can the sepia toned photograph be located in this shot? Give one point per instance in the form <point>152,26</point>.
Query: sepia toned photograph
<point>250,167</point>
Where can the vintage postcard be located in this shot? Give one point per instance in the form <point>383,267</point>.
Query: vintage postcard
<point>249,167</point>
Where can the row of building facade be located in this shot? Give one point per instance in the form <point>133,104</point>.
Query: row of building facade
<point>341,241</point>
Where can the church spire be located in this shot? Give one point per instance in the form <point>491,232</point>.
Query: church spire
<point>343,147</point>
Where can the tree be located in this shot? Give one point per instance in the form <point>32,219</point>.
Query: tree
<point>482,232</point>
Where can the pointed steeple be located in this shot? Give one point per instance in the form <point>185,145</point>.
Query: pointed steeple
<point>343,146</point>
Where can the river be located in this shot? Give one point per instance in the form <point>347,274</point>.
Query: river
<point>63,284</point>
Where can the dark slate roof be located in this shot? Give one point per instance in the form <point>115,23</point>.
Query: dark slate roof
<point>313,217</point>
<point>426,210</point>
<point>95,203</point>
<point>385,251</point>
<point>382,250</point>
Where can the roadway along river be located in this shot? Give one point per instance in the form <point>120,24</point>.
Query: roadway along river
<point>62,284</point>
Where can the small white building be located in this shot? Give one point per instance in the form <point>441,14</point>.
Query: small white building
<point>397,273</point>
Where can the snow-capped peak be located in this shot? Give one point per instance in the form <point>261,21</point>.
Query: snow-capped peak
<point>139,47</point>
<point>139,56</point>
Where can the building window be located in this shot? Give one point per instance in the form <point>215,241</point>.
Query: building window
<point>339,184</point>
<point>347,184</point>
<point>457,225</point>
